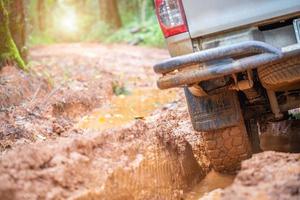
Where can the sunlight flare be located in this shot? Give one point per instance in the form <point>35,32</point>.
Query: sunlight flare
<point>69,22</point>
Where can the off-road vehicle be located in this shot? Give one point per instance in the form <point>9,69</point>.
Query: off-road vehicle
<point>239,64</point>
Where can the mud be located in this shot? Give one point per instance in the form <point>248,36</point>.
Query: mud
<point>89,123</point>
<point>66,82</point>
<point>267,175</point>
<point>140,103</point>
<point>137,162</point>
<point>143,160</point>
<point>213,181</point>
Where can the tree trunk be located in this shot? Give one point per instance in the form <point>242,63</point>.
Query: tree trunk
<point>143,11</point>
<point>109,13</point>
<point>41,12</point>
<point>8,50</point>
<point>17,25</point>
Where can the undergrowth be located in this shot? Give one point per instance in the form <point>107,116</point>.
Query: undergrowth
<point>139,28</point>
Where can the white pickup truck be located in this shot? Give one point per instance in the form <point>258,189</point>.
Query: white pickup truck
<point>239,64</point>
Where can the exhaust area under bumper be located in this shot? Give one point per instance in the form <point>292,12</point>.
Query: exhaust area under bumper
<point>250,55</point>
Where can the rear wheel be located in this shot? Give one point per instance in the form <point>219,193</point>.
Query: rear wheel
<point>219,120</point>
<point>227,148</point>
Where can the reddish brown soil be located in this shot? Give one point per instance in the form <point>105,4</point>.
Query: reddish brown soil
<point>267,175</point>
<point>43,155</point>
<point>142,161</point>
<point>66,82</point>
<point>145,160</point>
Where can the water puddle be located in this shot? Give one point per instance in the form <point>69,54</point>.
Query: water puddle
<point>212,181</point>
<point>123,109</point>
<point>138,104</point>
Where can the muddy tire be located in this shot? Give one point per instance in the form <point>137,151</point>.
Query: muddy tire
<point>218,118</point>
<point>281,76</point>
<point>227,148</point>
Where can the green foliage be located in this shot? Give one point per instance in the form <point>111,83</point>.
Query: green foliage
<point>294,114</point>
<point>119,89</point>
<point>140,25</point>
<point>98,32</point>
<point>40,38</point>
<point>148,33</point>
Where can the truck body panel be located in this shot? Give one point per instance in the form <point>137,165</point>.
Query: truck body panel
<point>207,17</point>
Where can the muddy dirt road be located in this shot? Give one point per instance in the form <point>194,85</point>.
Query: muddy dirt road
<point>89,123</point>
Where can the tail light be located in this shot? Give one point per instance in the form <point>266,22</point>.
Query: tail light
<point>171,17</point>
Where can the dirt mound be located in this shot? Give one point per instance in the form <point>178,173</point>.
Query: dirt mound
<point>19,92</point>
<point>173,121</point>
<point>142,161</point>
<point>16,85</point>
<point>268,175</point>
<point>33,109</point>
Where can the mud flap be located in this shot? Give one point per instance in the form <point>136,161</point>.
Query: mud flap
<point>214,111</point>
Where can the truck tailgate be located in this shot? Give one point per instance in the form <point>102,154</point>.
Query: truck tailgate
<point>206,17</point>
